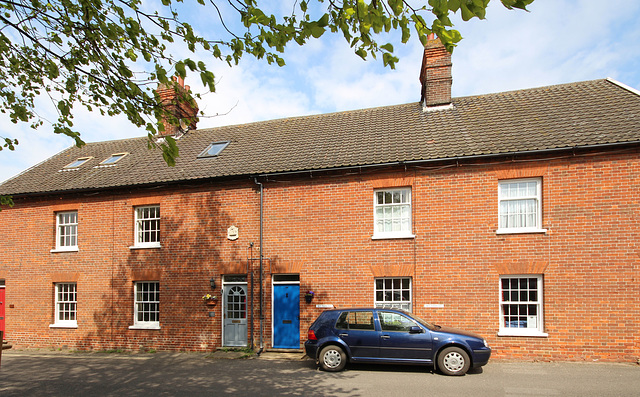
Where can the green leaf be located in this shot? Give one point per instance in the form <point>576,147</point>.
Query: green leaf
<point>387,47</point>
<point>6,200</point>
<point>180,69</point>
<point>324,21</point>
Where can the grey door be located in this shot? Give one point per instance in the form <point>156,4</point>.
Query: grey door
<point>235,315</point>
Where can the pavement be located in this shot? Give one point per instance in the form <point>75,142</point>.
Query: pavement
<point>239,373</point>
<point>220,354</point>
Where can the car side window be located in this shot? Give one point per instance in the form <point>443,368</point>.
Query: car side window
<point>356,321</point>
<point>395,322</point>
<point>342,322</point>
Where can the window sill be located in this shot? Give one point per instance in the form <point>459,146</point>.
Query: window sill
<point>391,236</point>
<point>142,247</point>
<point>63,325</point>
<point>145,326</point>
<point>520,231</point>
<point>64,249</point>
<point>528,334</point>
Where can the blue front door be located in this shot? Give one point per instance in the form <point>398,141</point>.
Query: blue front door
<point>286,316</point>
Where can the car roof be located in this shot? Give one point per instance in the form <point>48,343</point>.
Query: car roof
<point>361,309</point>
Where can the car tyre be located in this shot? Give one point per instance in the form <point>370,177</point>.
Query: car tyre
<point>453,361</point>
<point>332,358</point>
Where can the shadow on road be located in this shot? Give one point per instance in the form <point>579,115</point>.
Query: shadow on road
<point>163,374</point>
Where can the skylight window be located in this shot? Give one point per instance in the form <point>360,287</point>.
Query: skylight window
<point>78,162</point>
<point>214,149</point>
<point>113,159</point>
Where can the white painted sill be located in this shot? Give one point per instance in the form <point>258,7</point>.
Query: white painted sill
<point>147,327</point>
<point>532,334</point>
<point>142,247</point>
<point>391,236</point>
<point>70,325</point>
<point>64,249</point>
<point>520,231</point>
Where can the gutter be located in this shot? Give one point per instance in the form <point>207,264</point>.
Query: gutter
<point>454,159</point>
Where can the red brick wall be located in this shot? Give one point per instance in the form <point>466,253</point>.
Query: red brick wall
<point>321,228</point>
<point>194,246</point>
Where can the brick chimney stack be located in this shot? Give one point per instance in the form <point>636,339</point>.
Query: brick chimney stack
<point>435,74</point>
<point>180,104</point>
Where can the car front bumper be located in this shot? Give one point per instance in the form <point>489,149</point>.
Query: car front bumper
<point>481,356</point>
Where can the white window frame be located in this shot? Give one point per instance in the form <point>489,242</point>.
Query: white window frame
<point>398,289</point>
<point>142,298</point>
<point>65,230</point>
<point>404,232</point>
<point>141,226</point>
<point>113,159</point>
<point>66,305</point>
<point>214,149</point>
<point>516,294</point>
<point>537,228</point>
<point>77,163</point>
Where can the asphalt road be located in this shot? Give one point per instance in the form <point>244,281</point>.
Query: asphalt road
<point>190,374</point>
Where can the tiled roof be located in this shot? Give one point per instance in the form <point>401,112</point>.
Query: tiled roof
<point>563,116</point>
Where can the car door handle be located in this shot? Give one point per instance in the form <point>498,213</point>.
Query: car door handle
<point>343,335</point>
<point>385,336</point>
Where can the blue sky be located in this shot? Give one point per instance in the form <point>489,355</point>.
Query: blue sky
<point>558,41</point>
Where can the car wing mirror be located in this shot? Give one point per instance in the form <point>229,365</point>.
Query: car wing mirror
<point>415,330</point>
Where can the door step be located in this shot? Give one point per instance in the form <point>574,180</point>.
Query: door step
<point>283,354</point>
<point>273,350</point>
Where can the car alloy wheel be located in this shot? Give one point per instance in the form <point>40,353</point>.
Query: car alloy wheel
<point>332,358</point>
<point>454,361</point>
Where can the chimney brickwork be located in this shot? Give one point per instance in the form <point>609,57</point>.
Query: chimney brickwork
<point>180,104</point>
<point>435,74</point>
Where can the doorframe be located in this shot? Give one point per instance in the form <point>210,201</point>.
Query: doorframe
<point>3,313</point>
<point>224,301</point>
<point>275,282</point>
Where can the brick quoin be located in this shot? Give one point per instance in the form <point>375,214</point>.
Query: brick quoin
<point>320,227</point>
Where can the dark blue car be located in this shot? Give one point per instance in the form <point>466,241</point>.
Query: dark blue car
<point>391,336</point>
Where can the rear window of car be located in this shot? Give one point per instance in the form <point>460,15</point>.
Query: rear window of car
<point>356,320</point>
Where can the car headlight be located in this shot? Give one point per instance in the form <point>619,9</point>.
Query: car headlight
<point>485,342</point>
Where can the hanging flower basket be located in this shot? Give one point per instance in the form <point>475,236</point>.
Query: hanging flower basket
<point>209,300</point>
<point>308,297</point>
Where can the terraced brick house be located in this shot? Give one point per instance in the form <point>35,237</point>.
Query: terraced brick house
<point>514,214</point>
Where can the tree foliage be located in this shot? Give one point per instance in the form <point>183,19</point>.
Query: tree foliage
<point>109,55</point>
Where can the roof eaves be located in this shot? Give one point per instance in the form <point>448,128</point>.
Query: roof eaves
<point>456,158</point>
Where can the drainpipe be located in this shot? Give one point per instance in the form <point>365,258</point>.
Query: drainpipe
<point>250,272</point>
<point>260,276</point>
